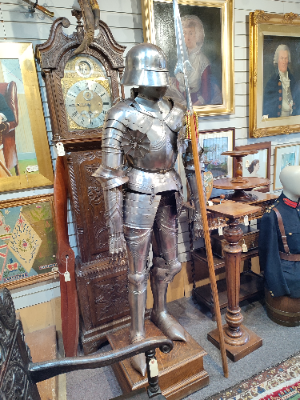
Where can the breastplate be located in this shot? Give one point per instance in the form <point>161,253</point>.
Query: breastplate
<point>162,153</point>
<point>153,173</point>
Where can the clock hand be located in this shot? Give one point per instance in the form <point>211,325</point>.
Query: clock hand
<point>84,104</point>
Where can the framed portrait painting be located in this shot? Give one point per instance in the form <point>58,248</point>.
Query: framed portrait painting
<point>25,160</point>
<point>208,32</point>
<point>287,155</point>
<point>214,143</point>
<point>274,74</point>
<point>28,242</point>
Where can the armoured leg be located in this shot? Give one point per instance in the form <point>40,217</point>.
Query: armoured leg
<point>165,266</point>
<point>139,216</point>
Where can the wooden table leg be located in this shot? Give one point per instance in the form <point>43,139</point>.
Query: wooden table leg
<point>233,333</point>
<point>239,340</point>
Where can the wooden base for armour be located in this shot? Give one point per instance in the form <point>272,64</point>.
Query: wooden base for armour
<point>181,372</point>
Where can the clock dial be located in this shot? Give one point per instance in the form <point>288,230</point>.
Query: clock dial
<point>87,93</point>
<point>87,103</point>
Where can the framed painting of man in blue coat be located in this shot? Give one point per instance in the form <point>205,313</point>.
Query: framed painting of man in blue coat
<point>274,74</point>
<point>207,30</point>
<point>281,80</point>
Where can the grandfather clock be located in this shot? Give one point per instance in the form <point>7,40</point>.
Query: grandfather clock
<point>80,90</point>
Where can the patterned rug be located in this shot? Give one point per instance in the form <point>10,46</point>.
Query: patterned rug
<point>281,382</point>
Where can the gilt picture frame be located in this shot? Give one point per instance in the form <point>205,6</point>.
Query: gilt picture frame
<point>209,24</point>
<point>28,241</point>
<point>274,74</point>
<point>25,160</point>
<point>285,155</point>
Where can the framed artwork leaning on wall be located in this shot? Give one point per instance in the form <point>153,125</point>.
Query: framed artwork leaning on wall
<point>28,242</point>
<point>214,143</point>
<point>208,31</point>
<point>256,165</point>
<point>286,155</point>
<point>274,58</point>
<point>25,160</point>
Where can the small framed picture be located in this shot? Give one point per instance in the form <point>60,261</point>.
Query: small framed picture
<point>214,143</point>
<point>287,155</point>
<point>256,165</point>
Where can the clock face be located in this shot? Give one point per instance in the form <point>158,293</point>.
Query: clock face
<point>87,103</point>
<point>87,93</point>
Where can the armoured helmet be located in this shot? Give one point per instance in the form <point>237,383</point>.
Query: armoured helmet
<point>145,65</point>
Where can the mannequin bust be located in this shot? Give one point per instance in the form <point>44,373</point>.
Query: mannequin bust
<point>290,179</point>
<point>279,240</point>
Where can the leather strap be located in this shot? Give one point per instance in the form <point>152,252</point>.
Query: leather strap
<point>282,231</point>
<point>289,257</point>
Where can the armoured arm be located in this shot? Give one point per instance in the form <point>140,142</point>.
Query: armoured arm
<point>112,176</point>
<point>188,161</point>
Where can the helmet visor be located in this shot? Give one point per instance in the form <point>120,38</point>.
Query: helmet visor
<point>145,78</point>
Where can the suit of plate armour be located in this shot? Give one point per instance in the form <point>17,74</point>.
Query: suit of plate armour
<point>139,149</point>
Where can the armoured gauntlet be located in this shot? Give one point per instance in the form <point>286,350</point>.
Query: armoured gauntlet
<point>114,220</point>
<point>111,181</point>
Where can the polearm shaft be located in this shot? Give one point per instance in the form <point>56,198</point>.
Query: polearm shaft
<point>181,67</point>
<point>209,254</point>
<point>40,8</point>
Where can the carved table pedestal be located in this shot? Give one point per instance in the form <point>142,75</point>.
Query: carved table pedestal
<point>239,340</point>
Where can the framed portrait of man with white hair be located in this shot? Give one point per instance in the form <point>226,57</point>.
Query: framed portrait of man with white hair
<point>208,34</point>
<point>274,74</point>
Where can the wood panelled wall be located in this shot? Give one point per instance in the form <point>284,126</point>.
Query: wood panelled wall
<point>125,20</point>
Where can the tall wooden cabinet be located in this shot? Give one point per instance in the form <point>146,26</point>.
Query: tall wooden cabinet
<point>80,90</point>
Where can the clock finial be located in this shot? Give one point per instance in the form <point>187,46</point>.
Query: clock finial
<point>78,15</point>
<point>91,15</point>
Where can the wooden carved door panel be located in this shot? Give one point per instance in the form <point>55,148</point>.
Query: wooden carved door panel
<point>88,205</point>
<point>110,296</point>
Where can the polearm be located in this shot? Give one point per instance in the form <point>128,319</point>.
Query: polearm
<point>40,8</point>
<point>182,65</point>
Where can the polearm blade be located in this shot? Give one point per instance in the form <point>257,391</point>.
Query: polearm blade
<point>182,64</point>
<point>41,8</point>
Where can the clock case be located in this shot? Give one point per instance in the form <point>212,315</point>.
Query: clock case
<point>101,281</point>
<point>53,56</point>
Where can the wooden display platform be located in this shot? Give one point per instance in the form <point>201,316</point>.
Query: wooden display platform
<point>181,372</point>
<point>236,353</point>
<point>251,287</point>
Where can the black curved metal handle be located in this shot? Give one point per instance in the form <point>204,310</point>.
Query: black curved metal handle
<point>40,371</point>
